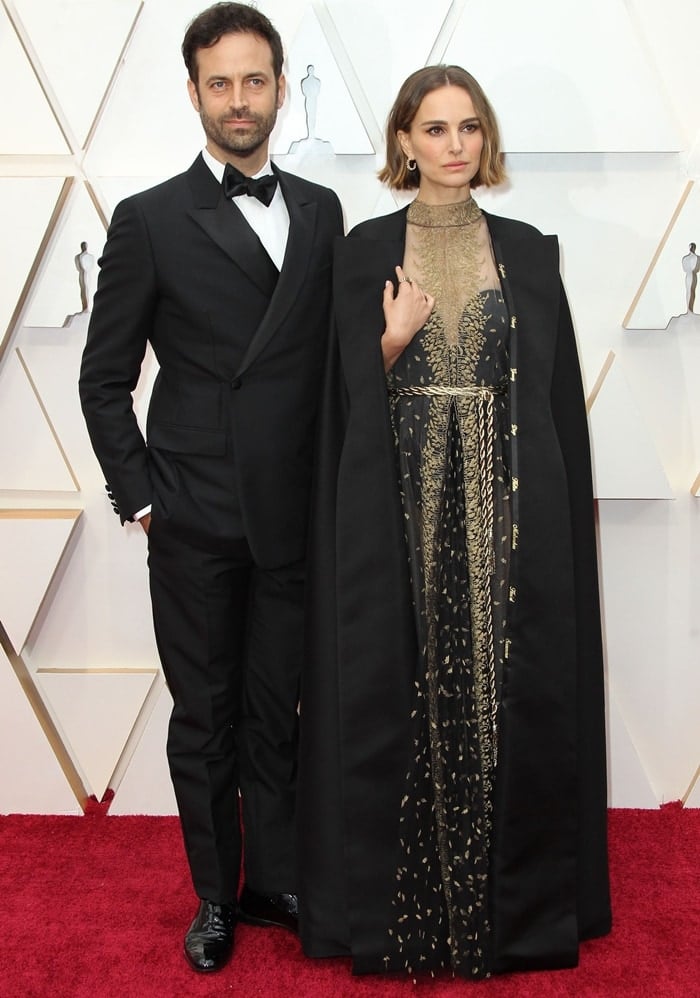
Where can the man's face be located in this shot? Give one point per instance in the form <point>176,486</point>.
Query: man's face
<point>237,98</point>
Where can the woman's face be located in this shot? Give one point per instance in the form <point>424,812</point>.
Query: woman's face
<point>445,139</point>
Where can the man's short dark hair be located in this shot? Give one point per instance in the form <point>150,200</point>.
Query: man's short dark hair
<point>227,19</point>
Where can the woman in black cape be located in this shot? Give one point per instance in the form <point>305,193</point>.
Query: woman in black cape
<point>452,775</point>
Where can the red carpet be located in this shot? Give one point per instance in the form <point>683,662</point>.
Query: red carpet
<point>77,894</point>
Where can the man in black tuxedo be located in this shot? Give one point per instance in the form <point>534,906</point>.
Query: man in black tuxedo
<point>231,285</point>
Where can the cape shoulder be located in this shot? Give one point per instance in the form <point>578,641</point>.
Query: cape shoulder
<point>511,228</point>
<point>393,226</point>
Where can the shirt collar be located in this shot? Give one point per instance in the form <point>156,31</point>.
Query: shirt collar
<point>217,168</point>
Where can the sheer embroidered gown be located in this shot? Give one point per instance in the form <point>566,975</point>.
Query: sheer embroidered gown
<point>448,397</point>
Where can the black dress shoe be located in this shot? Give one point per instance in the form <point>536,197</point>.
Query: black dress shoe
<point>209,940</point>
<point>281,910</point>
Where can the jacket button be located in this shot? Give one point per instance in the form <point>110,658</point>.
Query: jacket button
<point>236,383</point>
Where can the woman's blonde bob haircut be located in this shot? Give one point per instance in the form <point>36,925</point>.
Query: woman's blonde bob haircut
<point>395,173</point>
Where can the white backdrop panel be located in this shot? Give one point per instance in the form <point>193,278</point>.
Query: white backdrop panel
<point>25,207</point>
<point>30,458</point>
<point>96,714</point>
<point>27,124</point>
<point>32,548</point>
<point>32,781</point>
<point>145,787</point>
<point>601,120</point>
<point>79,72</point>
<point>565,76</point>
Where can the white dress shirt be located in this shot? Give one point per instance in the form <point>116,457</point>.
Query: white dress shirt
<point>269,222</point>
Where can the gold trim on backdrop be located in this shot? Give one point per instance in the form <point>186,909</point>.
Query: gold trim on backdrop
<point>112,80</point>
<point>40,514</point>
<point>447,30</point>
<point>98,671</point>
<point>38,165</point>
<point>363,106</point>
<point>66,168</point>
<point>97,201</point>
<point>695,487</point>
<point>46,722</point>
<point>595,390</point>
<point>686,796</point>
<point>42,79</point>
<point>139,726</point>
<point>654,260</point>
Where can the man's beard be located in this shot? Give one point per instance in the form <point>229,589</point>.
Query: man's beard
<point>240,144</point>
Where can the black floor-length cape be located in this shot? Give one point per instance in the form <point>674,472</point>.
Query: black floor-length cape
<point>548,877</point>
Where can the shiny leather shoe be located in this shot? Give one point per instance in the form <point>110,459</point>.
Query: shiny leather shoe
<point>281,910</point>
<point>209,940</point>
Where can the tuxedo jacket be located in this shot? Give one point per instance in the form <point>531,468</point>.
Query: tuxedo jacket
<point>228,445</point>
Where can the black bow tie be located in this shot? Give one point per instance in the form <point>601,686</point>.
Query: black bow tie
<point>236,183</point>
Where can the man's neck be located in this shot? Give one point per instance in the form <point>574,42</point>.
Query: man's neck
<point>248,165</point>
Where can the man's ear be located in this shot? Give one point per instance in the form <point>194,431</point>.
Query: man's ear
<point>281,90</point>
<point>194,96</point>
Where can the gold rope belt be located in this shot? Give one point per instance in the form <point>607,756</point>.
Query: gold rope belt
<point>477,391</point>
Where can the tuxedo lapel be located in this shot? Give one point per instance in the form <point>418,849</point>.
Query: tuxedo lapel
<point>302,229</point>
<point>226,226</point>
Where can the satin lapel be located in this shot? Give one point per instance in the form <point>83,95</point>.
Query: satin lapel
<point>226,226</point>
<point>302,229</point>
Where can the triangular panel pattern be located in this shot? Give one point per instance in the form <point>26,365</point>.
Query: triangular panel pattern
<point>145,787</point>
<point>52,357</point>
<point>662,294</point>
<point>367,64</point>
<point>407,28</point>
<point>153,142</point>
<point>33,542</point>
<point>96,713</point>
<point>541,84</point>
<point>27,123</point>
<point>79,72</point>
<point>30,457</point>
<point>625,462</point>
<point>36,784</point>
<point>319,117</point>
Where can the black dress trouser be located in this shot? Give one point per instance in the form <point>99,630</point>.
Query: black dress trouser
<point>229,636</point>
